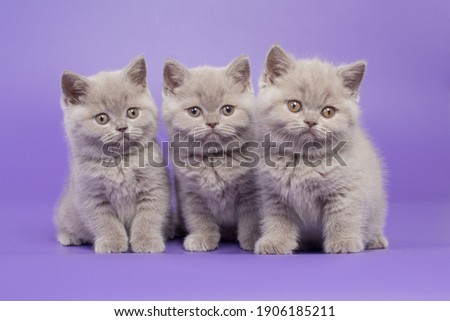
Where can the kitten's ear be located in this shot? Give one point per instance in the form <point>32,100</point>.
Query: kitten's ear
<point>74,87</point>
<point>136,71</point>
<point>352,75</point>
<point>174,76</point>
<point>239,71</point>
<point>278,63</point>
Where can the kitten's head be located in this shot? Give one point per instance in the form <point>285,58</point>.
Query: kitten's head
<point>108,107</point>
<point>209,104</point>
<point>300,101</point>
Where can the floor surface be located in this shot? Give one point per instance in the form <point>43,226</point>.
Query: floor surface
<point>415,267</point>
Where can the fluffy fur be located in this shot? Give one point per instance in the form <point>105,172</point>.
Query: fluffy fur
<point>124,204</point>
<point>215,201</point>
<point>337,207</point>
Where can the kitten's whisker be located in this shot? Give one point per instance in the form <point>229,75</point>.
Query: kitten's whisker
<point>236,132</point>
<point>107,138</point>
<point>196,130</point>
<point>230,133</point>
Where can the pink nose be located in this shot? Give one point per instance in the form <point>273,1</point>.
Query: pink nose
<point>122,129</point>
<point>212,125</point>
<point>310,123</point>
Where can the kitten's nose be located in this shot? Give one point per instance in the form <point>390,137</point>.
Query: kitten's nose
<point>122,129</point>
<point>310,123</point>
<point>212,124</point>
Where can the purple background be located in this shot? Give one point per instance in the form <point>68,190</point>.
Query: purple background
<point>405,102</point>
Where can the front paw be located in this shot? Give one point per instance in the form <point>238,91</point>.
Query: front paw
<point>201,242</point>
<point>111,245</point>
<point>344,245</point>
<point>248,239</point>
<point>68,239</point>
<point>247,244</point>
<point>148,245</point>
<point>266,245</point>
<point>380,242</point>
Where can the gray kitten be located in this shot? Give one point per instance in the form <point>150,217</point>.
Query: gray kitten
<point>311,198</point>
<point>112,201</point>
<point>213,107</point>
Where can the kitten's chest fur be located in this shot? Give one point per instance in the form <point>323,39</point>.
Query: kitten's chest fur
<point>119,186</point>
<point>308,181</point>
<point>219,186</point>
<point>303,188</point>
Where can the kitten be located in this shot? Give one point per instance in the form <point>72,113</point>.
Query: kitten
<point>112,204</point>
<point>212,107</point>
<point>311,198</point>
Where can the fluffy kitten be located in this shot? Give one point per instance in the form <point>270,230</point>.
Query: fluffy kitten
<point>214,108</point>
<point>112,202</point>
<point>311,198</point>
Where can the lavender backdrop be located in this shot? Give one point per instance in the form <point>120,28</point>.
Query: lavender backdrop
<point>405,101</point>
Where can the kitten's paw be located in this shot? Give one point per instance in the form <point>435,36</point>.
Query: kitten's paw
<point>201,242</point>
<point>111,245</point>
<point>148,245</point>
<point>248,243</point>
<point>68,239</point>
<point>344,245</point>
<point>380,242</point>
<point>271,246</point>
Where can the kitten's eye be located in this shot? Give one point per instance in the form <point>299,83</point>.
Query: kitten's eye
<point>132,112</point>
<point>294,105</point>
<point>194,111</point>
<point>227,110</point>
<point>328,112</point>
<point>102,119</point>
